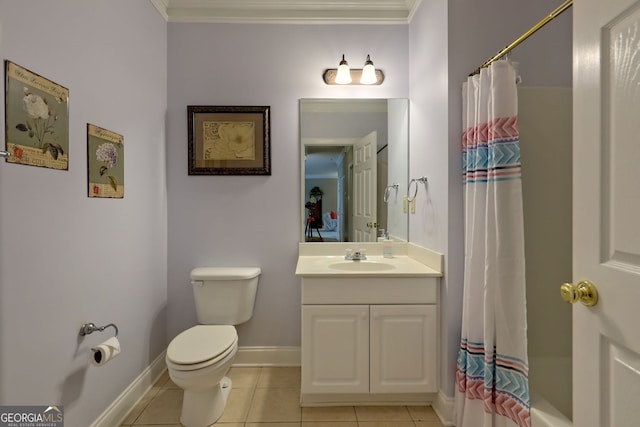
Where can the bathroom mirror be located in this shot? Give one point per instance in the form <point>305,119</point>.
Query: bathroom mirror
<point>354,169</point>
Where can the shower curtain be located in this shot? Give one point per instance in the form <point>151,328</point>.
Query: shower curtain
<point>492,387</point>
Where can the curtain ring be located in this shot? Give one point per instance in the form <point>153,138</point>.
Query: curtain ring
<point>415,193</point>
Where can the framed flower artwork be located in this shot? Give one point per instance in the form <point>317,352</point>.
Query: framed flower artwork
<point>36,119</point>
<point>105,163</point>
<point>230,140</point>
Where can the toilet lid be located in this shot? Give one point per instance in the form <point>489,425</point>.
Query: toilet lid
<point>201,343</point>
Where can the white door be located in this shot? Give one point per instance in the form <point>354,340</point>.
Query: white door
<point>364,188</point>
<point>341,210</point>
<point>606,212</point>
<point>335,349</point>
<point>403,349</point>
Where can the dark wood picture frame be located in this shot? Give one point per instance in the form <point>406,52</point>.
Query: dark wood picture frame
<point>229,140</point>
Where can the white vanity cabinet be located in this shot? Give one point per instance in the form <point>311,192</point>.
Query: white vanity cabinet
<point>335,349</point>
<point>402,349</point>
<point>368,338</point>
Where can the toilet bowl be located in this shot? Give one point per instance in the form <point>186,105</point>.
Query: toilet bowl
<point>199,358</point>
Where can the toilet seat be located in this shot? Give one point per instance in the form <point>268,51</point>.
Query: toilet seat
<point>201,346</point>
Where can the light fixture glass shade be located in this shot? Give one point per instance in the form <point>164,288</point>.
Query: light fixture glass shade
<point>343,77</point>
<point>368,73</point>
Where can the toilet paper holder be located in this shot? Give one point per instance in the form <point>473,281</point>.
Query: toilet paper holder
<point>89,328</point>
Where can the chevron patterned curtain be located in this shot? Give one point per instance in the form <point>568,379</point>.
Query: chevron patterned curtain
<point>492,388</point>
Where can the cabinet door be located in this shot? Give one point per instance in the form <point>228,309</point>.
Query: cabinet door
<point>403,349</point>
<point>335,349</point>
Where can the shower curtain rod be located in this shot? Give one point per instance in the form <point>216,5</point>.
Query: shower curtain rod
<point>555,13</point>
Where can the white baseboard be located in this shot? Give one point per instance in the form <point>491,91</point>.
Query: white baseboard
<point>267,356</point>
<point>443,406</point>
<point>120,408</point>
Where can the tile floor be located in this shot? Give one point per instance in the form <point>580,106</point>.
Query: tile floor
<point>270,397</point>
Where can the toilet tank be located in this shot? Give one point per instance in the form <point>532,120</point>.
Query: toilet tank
<point>224,296</point>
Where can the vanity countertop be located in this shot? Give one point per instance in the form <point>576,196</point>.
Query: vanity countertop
<point>328,260</point>
<point>373,266</point>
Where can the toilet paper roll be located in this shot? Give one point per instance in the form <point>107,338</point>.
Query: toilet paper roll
<point>105,351</point>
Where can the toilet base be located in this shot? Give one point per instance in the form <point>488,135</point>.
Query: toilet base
<point>204,407</point>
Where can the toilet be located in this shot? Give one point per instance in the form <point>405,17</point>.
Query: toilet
<point>199,358</point>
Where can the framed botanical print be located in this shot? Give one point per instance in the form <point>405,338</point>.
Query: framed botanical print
<point>105,163</point>
<point>231,140</point>
<point>36,119</point>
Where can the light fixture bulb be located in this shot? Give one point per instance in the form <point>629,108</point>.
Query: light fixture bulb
<point>368,73</point>
<point>343,77</point>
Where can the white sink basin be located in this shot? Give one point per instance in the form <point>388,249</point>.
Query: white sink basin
<point>361,266</point>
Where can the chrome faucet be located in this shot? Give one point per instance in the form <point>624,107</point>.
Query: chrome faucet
<point>355,256</point>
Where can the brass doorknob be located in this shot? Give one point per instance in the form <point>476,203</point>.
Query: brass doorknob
<point>585,292</point>
<point>372,224</point>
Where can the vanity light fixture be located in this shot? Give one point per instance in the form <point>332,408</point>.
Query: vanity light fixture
<point>368,75</point>
<point>343,76</point>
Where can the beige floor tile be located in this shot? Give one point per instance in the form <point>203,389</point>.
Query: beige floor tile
<point>275,405</point>
<point>385,424</point>
<point>237,406</point>
<point>382,413</point>
<point>329,424</point>
<point>244,377</point>
<point>269,425</point>
<point>164,425</point>
<point>435,423</point>
<point>279,378</point>
<point>141,405</point>
<point>422,413</point>
<point>329,413</point>
<point>270,397</point>
<point>164,408</point>
<point>163,379</point>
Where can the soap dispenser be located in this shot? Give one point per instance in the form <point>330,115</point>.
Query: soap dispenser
<point>387,246</point>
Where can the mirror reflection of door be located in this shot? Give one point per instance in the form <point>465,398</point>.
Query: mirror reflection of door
<point>347,175</point>
<point>365,189</point>
<point>327,167</point>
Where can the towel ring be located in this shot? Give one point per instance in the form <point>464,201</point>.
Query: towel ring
<point>387,191</point>
<point>422,179</point>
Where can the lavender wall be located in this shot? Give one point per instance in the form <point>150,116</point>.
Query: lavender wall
<point>254,220</point>
<point>429,226</point>
<point>66,259</point>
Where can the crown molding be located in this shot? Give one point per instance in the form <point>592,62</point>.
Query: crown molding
<point>161,6</point>
<point>287,11</point>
